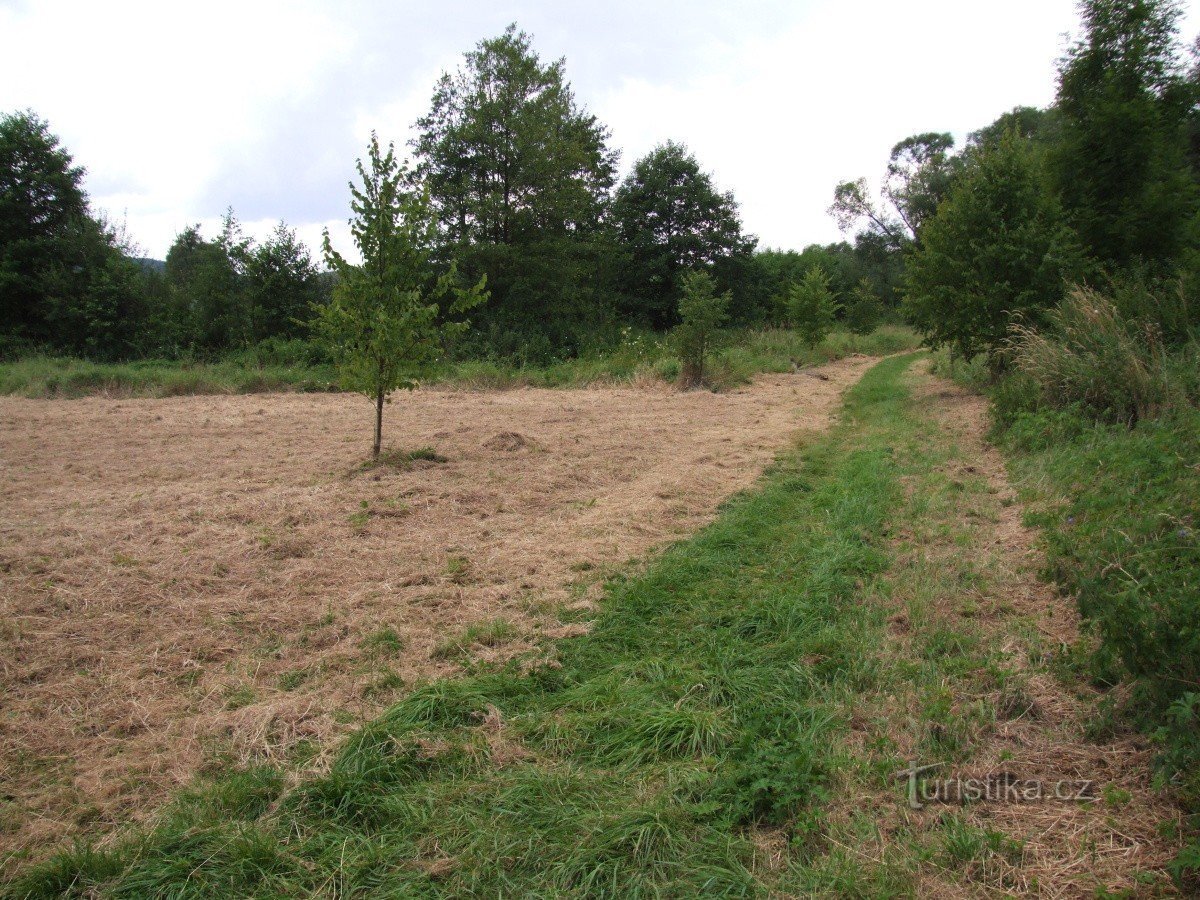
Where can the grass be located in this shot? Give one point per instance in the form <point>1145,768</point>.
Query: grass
<point>747,353</point>
<point>1117,506</point>
<point>742,692</point>
<point>66,377</point>
<point>707,698</point>
<point>481,634</point>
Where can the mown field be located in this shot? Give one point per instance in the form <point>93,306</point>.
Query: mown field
<point>724,718</point>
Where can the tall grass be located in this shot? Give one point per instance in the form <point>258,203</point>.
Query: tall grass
<point>294,366</point>
<point>1117,368</point>
<point>65,377</point>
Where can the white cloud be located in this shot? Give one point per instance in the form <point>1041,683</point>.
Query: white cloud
<point>180,111</point>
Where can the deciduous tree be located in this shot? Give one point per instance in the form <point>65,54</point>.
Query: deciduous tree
<point>672,219</point>
<point>999,250</point>
<point>384,325</point>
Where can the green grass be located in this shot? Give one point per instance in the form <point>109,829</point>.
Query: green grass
<point>57,376</point>
<point>746,353</point>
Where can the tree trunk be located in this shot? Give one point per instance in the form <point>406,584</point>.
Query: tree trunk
<point>378,424</point>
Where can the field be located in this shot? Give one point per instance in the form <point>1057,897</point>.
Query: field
<point>219,577</point>
<point>534,653</point>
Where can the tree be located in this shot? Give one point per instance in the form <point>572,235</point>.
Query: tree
<point>702,311</point>
<point>207,283</point>
<point>920,172</point>
<point>282,284</point>
<point>42,206</point>
<point>863,310</point>
<point>812,306</point>
<point>383,325</point>
<point>671,219</point>
<point>519,175</point>
<point>998,251</point>
<point>93,297</point>
<point>1038,125</point>
<point>1121,163</point>
<point>66,279</point>
<point>506,151</point>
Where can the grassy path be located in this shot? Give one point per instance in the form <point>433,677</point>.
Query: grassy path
<point>730,725</point>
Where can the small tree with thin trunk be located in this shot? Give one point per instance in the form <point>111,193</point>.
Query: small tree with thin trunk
<point>701,312</point>
<point>384,325</point>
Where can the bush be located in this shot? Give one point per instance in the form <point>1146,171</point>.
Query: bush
<point>1113,367</point>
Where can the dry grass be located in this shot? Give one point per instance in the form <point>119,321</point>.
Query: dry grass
<point>1069,849</point>
<point>204,576</point>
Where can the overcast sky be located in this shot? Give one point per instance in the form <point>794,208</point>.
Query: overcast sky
<point>178,111</point>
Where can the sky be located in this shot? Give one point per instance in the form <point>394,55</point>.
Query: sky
<point>179,111</point>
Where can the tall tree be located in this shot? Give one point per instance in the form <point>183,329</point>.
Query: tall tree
<point>384,326</point>
<point>42,207</point>
<point>920,172</point>
<point>65,277</point>
<point>998,251</point>
<point>671,219</point>
<point>519,175</point>
<point>506,151</point>
<point>1121,163</point>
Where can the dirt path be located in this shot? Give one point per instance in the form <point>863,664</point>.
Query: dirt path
<point>1044,730</point>
<point>202,577</point>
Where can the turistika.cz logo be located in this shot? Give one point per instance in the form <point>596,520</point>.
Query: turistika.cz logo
<point>997,787</point>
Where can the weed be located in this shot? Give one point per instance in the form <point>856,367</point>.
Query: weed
<point>481,634</point>
<point>386,641</point>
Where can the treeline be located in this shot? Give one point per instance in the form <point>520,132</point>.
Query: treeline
<point>524,183</point>
<point>1099,190</point>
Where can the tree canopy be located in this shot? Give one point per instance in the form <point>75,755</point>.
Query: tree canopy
<point>519,176</point>
<point>671,218</point>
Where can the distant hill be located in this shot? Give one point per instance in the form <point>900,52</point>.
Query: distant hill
<point>156,265</point>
